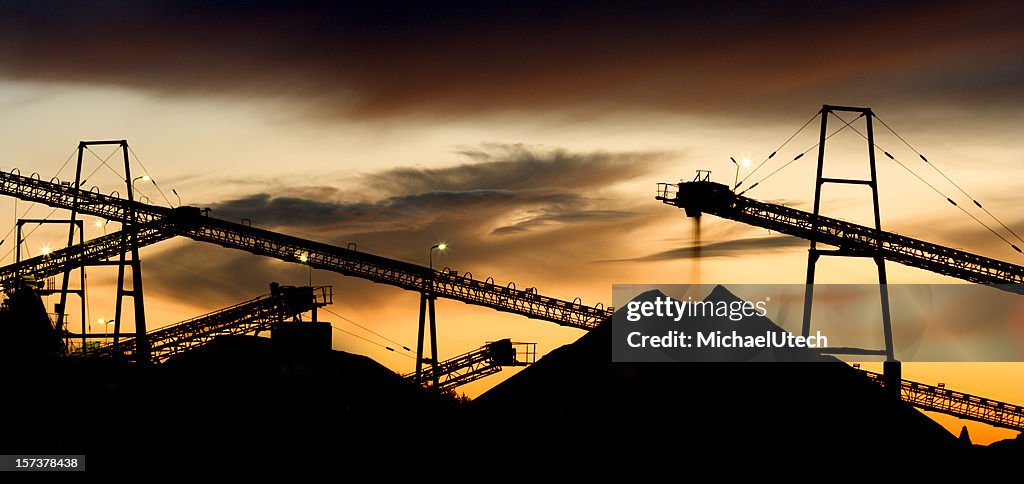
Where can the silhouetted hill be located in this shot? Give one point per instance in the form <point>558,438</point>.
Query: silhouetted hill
<point>708,323</point>
<point>576,393</point>
<point>1015,445</point>
<point>242,403</point>
<point>237,403</point>
<point>28,334</point>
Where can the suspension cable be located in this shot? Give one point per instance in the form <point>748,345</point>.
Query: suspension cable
<point>47,217</point>
<point>958,187</point>
<point>26,236</point>
<point>68,160</point>
<point>8,234</point>
<point>103,162</point>
<point>936,190</point>
<point>774,152</point>
<point>146,171</point>
<point>801,155</point>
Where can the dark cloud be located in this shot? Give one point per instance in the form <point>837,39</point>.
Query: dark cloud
<point>563,217</point>
<point>209,276</point>
<point>411,211</point>
<point>515,212</point>
<point>377,59</point>
<point>728,248</point>
<point>518,167</point>
<point>543,186</point>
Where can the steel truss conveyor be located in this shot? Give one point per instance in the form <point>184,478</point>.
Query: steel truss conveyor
<point>476,364</point>
<point>250,317</point>
<point>156,223</point>
<point>700,196</point>
<point>958,404</point>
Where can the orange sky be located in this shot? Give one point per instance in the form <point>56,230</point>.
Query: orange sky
<point>529,139</point>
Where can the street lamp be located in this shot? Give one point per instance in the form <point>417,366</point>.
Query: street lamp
<point>106,325</point>
<point>143,178</point>
<point>304,258</point>
<point>441,246</point>
<point>175,192</point>
<point>745,163</point>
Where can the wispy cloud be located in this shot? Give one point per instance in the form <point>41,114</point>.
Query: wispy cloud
<point>728,248</point>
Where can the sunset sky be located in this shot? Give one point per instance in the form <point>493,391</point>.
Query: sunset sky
<point>530,138</point>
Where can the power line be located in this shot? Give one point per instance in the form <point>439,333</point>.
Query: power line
<point>370,341</point>
<point>364,328</point>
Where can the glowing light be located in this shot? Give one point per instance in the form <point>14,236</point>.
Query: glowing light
<point>101,321</point>
<point>442,246</point>
<point>303,257</point>
<point>145,178</point>
<point>46,250</point>
<point>745,162</point>
<point>99,223</point>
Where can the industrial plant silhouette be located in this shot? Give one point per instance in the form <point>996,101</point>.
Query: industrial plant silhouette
<point>214,392</point>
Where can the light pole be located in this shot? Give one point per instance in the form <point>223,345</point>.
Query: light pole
<point>175,192</point>
<point>745,163</point>
<point>304,258</point>
<point>106,325</point>
<point>143,178</point>
<point>442,246</point>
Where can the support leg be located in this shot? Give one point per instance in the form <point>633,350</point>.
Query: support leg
<point>812,260</point>
<point>141,339</point>
<point>433,341</point>
<point>886,317</point>
<point>119,304</point>
<point>419,338</point>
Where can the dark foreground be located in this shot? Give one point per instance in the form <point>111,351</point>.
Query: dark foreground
<point>240,403</point>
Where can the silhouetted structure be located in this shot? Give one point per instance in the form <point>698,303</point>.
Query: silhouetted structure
<point>578,402</point>
<point>154,223</point>
<point>29,336</point>
<point>965,437</point>
<point>235,397</point>
<point>951,402</point>
<point>250,317</point>
<point>850,240</point>
<point>474,365</point>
